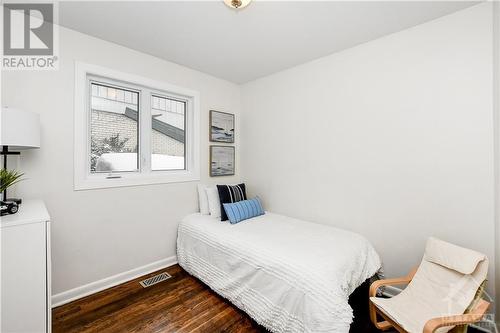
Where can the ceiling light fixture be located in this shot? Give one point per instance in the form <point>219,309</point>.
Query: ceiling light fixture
<point>237,4</point>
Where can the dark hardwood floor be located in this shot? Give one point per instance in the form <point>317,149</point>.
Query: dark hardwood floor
<point>180,304</point>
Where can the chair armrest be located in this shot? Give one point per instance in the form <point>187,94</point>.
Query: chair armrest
<point>474,316</point>
<point>391,282</point>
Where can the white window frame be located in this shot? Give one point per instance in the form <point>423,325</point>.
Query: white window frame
<point>84,179</point>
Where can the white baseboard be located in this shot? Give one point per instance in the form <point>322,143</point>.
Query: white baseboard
<point>94,287</point>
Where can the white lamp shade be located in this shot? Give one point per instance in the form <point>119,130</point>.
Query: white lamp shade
<point>20,129</point>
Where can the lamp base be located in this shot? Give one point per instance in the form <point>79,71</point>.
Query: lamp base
<point>9,206</point>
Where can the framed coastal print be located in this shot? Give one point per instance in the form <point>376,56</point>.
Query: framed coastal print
<point>221,127</point>
<point>221,161</point>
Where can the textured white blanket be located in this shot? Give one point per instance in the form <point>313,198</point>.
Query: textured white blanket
<point>287,274</point>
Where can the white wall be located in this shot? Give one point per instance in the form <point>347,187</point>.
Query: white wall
<point>99,233</point>
<point>392,139</point>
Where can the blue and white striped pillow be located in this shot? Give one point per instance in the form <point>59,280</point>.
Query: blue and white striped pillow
<point>243,210</point>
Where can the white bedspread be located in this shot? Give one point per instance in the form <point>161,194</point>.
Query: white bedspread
<point>287,274</point>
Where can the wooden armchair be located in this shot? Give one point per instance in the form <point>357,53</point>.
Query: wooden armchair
<point>442,294</point>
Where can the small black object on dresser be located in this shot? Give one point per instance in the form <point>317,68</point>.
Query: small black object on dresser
<point>9,206</point>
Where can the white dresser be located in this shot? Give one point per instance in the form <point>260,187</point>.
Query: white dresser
<point>25,274</point>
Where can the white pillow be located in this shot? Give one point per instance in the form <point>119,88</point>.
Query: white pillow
<point>203,199</point>
<point>213,201</point>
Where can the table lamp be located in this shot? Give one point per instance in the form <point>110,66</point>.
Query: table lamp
<point>20,130</point>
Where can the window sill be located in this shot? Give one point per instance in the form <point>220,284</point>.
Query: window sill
<point>93,182</point>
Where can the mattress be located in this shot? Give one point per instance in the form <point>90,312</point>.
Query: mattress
<point>287,274</point>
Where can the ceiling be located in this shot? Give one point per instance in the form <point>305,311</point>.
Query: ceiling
<point>241,46</point>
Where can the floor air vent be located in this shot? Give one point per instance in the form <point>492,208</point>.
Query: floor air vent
<point>155,279</point>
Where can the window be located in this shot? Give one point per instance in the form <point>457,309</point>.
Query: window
<point>168,134</point>
<point>133,131</point>
<point>114,129</point>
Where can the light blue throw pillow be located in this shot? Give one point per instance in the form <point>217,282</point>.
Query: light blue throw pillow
<point>243,210</point>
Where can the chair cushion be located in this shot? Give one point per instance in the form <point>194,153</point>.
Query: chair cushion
<point>411,315</point>
<point>452,256</point>
<point>439,287</point>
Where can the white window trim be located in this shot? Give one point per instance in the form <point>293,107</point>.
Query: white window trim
<point>84,180</point>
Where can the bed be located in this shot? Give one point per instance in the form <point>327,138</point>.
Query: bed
<point>288,275</point>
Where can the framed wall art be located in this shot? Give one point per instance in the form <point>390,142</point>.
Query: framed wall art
<point>222,161</point>
<point>221,127</point>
